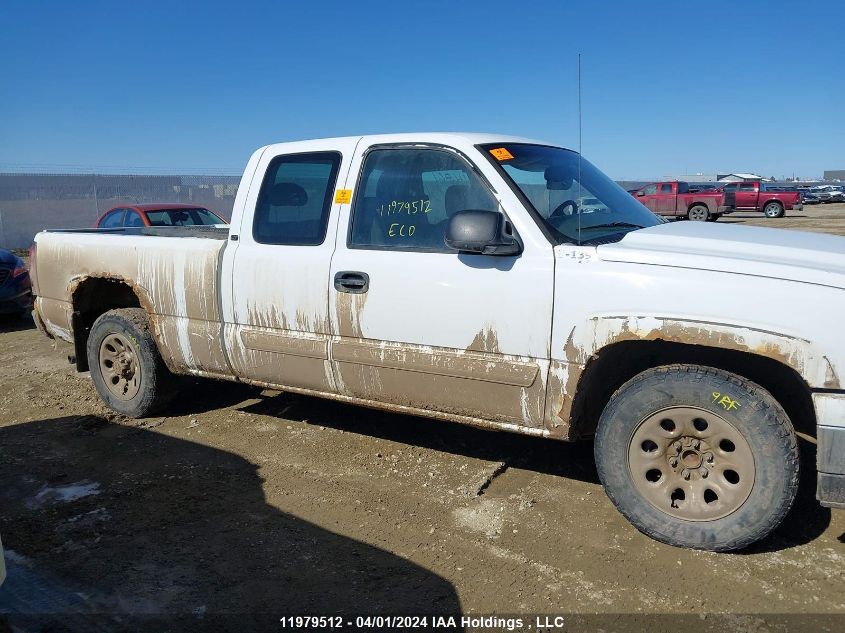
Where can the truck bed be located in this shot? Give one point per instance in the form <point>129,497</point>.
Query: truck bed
<point>210,232</point>
<point>171,272</point>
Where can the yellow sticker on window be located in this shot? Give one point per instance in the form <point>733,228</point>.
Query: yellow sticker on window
<point>500,153</point>
<point>343,196</point>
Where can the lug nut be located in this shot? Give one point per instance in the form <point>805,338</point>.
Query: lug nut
<point>673,462</point>
<point>704,473</point>
<point>687,474</point>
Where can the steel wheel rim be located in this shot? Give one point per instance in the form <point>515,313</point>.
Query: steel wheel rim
<point>699,214</point>
<point>691,464</point>
<point>119,366</point>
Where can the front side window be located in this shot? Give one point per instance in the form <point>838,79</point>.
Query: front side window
<point>731,187</point>
<point>133,219</point>
<point>666,188</point>
<point>554,180</point>
<point>295,199</point>
<point>748,187</point>
<point>650,190</point>
<point>406,197</point>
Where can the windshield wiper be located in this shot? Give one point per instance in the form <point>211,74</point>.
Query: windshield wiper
<point>612,225</point>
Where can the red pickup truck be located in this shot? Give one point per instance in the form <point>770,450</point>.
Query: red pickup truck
<point>673,199</point>
<point>756,196</point>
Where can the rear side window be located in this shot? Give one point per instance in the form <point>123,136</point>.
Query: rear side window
<point>406,198</point>
<point>112,220</point>
<point>295,199</point>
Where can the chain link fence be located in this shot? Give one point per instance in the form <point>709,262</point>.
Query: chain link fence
<point>30,203</point>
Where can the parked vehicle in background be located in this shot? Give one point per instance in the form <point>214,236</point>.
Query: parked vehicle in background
<point>394,272</point>
<point>828,193</point>
<point>757,196</point>
<point>674,199</point>
<point>590,205</point>
<point>140,215</point>
<point>808,197</point>
<point>15,285</point>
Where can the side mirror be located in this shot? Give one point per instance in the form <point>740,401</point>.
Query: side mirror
<point>640,194</point>
<point>482,233</point>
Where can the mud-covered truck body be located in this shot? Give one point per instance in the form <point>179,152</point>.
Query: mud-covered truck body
<point>452,276</point>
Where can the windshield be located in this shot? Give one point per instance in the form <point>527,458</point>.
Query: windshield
<point>576,201</point>
<point>182,217</point>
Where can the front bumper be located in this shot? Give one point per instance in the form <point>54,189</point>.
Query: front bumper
<point>830,451</point>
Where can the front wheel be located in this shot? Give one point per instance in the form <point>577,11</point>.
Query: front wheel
<point>126,368</point>
<point>699,213</point>
<point>697,457</point>
<point>773,210</point>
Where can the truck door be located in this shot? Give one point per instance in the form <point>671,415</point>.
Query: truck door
<point>648,197</point>
<point>666,199</point>
<point>419,325</point>
<point>746,195</point>
<point>277,328</point>
<point>730,195</point>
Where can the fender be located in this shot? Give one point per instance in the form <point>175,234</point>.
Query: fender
<point>587,341</point>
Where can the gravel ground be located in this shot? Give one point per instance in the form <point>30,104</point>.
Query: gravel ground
<point>242,500</point>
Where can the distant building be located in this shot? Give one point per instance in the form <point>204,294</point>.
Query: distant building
<point>715,177</point>
<point>835,174</point>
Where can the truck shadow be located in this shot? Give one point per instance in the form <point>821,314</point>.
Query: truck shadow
<point>14,323</point>
<point>806,521</point>
<point>573,460</point>
<point>111,527</point>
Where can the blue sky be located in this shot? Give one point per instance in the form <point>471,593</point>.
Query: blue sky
<point>674,87</point>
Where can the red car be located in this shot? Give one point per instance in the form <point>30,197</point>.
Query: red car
<point>139,215</point>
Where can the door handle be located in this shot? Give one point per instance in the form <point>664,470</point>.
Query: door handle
<point>352,281</point>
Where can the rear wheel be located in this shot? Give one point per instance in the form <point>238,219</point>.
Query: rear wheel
<point>126,368</point>
<point>698,212</point>
<point>714,216</point>
<point>697,457</point>
<point>773,210</point>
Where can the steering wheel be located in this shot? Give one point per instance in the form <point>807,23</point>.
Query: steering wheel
<point>561,209</point>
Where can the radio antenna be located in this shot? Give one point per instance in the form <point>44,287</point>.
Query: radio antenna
<point>577,209</point>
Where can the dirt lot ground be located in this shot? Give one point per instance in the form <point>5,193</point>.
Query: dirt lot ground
<point>247,501</point>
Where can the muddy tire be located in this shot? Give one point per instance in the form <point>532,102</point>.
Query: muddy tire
<point>698,213</point>
<point>697,457</point>
<point>126,368</point>
<point>713,217</point>
<point>773,210</point>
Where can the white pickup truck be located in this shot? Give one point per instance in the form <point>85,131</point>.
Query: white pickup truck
<point>454,276</point>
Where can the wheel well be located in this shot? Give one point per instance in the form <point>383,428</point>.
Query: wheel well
<point>775,200</point>
<point>92,298</point>
<point>614,365</point>
<point>698,204</point>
